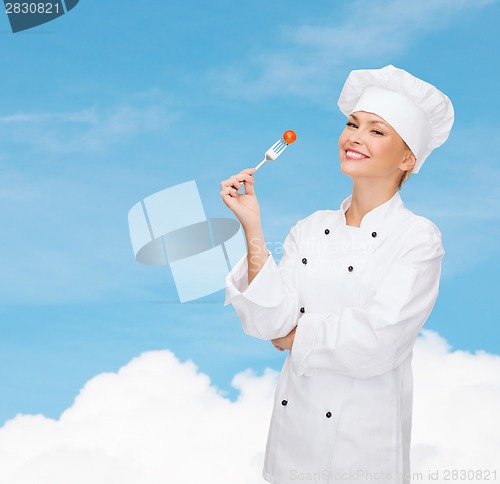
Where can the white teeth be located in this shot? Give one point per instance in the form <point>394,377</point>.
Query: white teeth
<point>353,154</point>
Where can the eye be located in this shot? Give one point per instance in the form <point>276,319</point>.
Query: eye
<point>378,132</point>
<point>351,124</point>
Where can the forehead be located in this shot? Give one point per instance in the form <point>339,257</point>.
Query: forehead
<point>369,118</point>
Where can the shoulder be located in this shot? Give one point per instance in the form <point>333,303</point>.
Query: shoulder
<point>418,224</point>
<point>317,218</point>
<point>420,235</point>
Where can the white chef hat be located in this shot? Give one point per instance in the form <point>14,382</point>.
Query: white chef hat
<point>421,114</point>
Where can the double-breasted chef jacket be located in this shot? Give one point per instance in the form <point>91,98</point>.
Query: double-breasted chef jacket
<point>359,297</point>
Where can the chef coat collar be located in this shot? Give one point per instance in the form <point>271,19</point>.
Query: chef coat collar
<point>376,217</point>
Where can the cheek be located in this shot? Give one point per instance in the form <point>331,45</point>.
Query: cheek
<point>342,139</point>
<point>384,149</point>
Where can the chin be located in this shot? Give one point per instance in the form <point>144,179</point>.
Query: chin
<point>350,170</point>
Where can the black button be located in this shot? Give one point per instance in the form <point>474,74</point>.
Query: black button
<point>304,261</point>
<point>302,310</point>
<point>327,231</point>
<point>350,268</point>
<point>374,234</point>
<point>328,414</point>
<point>284,402</point>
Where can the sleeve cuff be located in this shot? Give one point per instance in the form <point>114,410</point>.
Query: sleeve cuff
<point>305,341</point>
<point>265,289</point>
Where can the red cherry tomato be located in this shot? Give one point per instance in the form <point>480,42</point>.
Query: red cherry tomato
<point>289,137</point>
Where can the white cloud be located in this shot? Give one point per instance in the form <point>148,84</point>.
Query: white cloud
<point>160,420</point>
<point>308,58</point>
<point>457,396</point>
<point>156,420</point>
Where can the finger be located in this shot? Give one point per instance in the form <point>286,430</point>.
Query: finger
<point>229,189</point>
<point>248,170</point>
<point>230,202</point>
<point>241,178</point>
<point>230,185</point>
<point>232,180</point>
<point>226,183</point>
<point>233,192</point>
<point>249,189</point>
<point>235,182</point>
<point>244,177</point>
<point>228,193</point>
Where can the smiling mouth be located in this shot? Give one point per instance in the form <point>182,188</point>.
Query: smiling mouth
<point>354,155</point>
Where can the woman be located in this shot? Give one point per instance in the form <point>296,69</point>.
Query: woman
<point>350,294</point>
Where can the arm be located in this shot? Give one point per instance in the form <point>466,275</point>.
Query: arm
<point>257,252</point>
<point>369,341</point>
<point>267,306</point>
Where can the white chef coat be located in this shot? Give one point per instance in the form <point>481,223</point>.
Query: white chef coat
<point>359,297</point>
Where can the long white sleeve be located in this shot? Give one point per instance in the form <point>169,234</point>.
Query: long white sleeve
<point>268,306</point>
<point>358,341</point>
<point>364,342</point>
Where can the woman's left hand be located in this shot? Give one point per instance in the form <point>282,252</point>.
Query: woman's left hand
<point>285,343</point>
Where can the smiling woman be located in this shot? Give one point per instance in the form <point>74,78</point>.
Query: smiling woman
<point>351,292</point>
<point>386,151</point>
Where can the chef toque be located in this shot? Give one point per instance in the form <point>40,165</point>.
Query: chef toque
<point>420,113</point>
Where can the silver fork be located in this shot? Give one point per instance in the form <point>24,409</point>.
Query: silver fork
<point>273,152</point>
<point>270,155</point>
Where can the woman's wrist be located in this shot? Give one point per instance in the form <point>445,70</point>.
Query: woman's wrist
<point>257,251</point>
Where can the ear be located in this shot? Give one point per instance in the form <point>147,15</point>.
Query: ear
<point>409,161</point>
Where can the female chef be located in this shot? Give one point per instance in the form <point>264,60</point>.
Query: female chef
<point>350,294</point>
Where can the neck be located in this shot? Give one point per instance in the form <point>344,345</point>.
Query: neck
<point>366,197</point>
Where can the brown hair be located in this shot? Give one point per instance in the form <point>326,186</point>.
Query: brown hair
<point>404,177</point>
<point>406,174</point>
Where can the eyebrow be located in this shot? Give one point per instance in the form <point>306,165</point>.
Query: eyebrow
<point>371,122</point>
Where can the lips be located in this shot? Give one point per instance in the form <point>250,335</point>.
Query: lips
<point>351,154</point>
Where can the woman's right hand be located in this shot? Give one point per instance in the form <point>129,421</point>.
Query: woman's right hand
<point>244,205</point>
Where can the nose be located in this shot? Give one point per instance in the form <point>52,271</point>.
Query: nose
<point>355,138</point>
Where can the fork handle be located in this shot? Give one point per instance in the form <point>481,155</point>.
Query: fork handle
<point>260,164</point>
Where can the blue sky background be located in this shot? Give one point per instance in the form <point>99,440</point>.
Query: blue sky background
<point>117,100</point>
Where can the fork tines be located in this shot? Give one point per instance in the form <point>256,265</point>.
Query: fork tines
<point>279,146</point>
